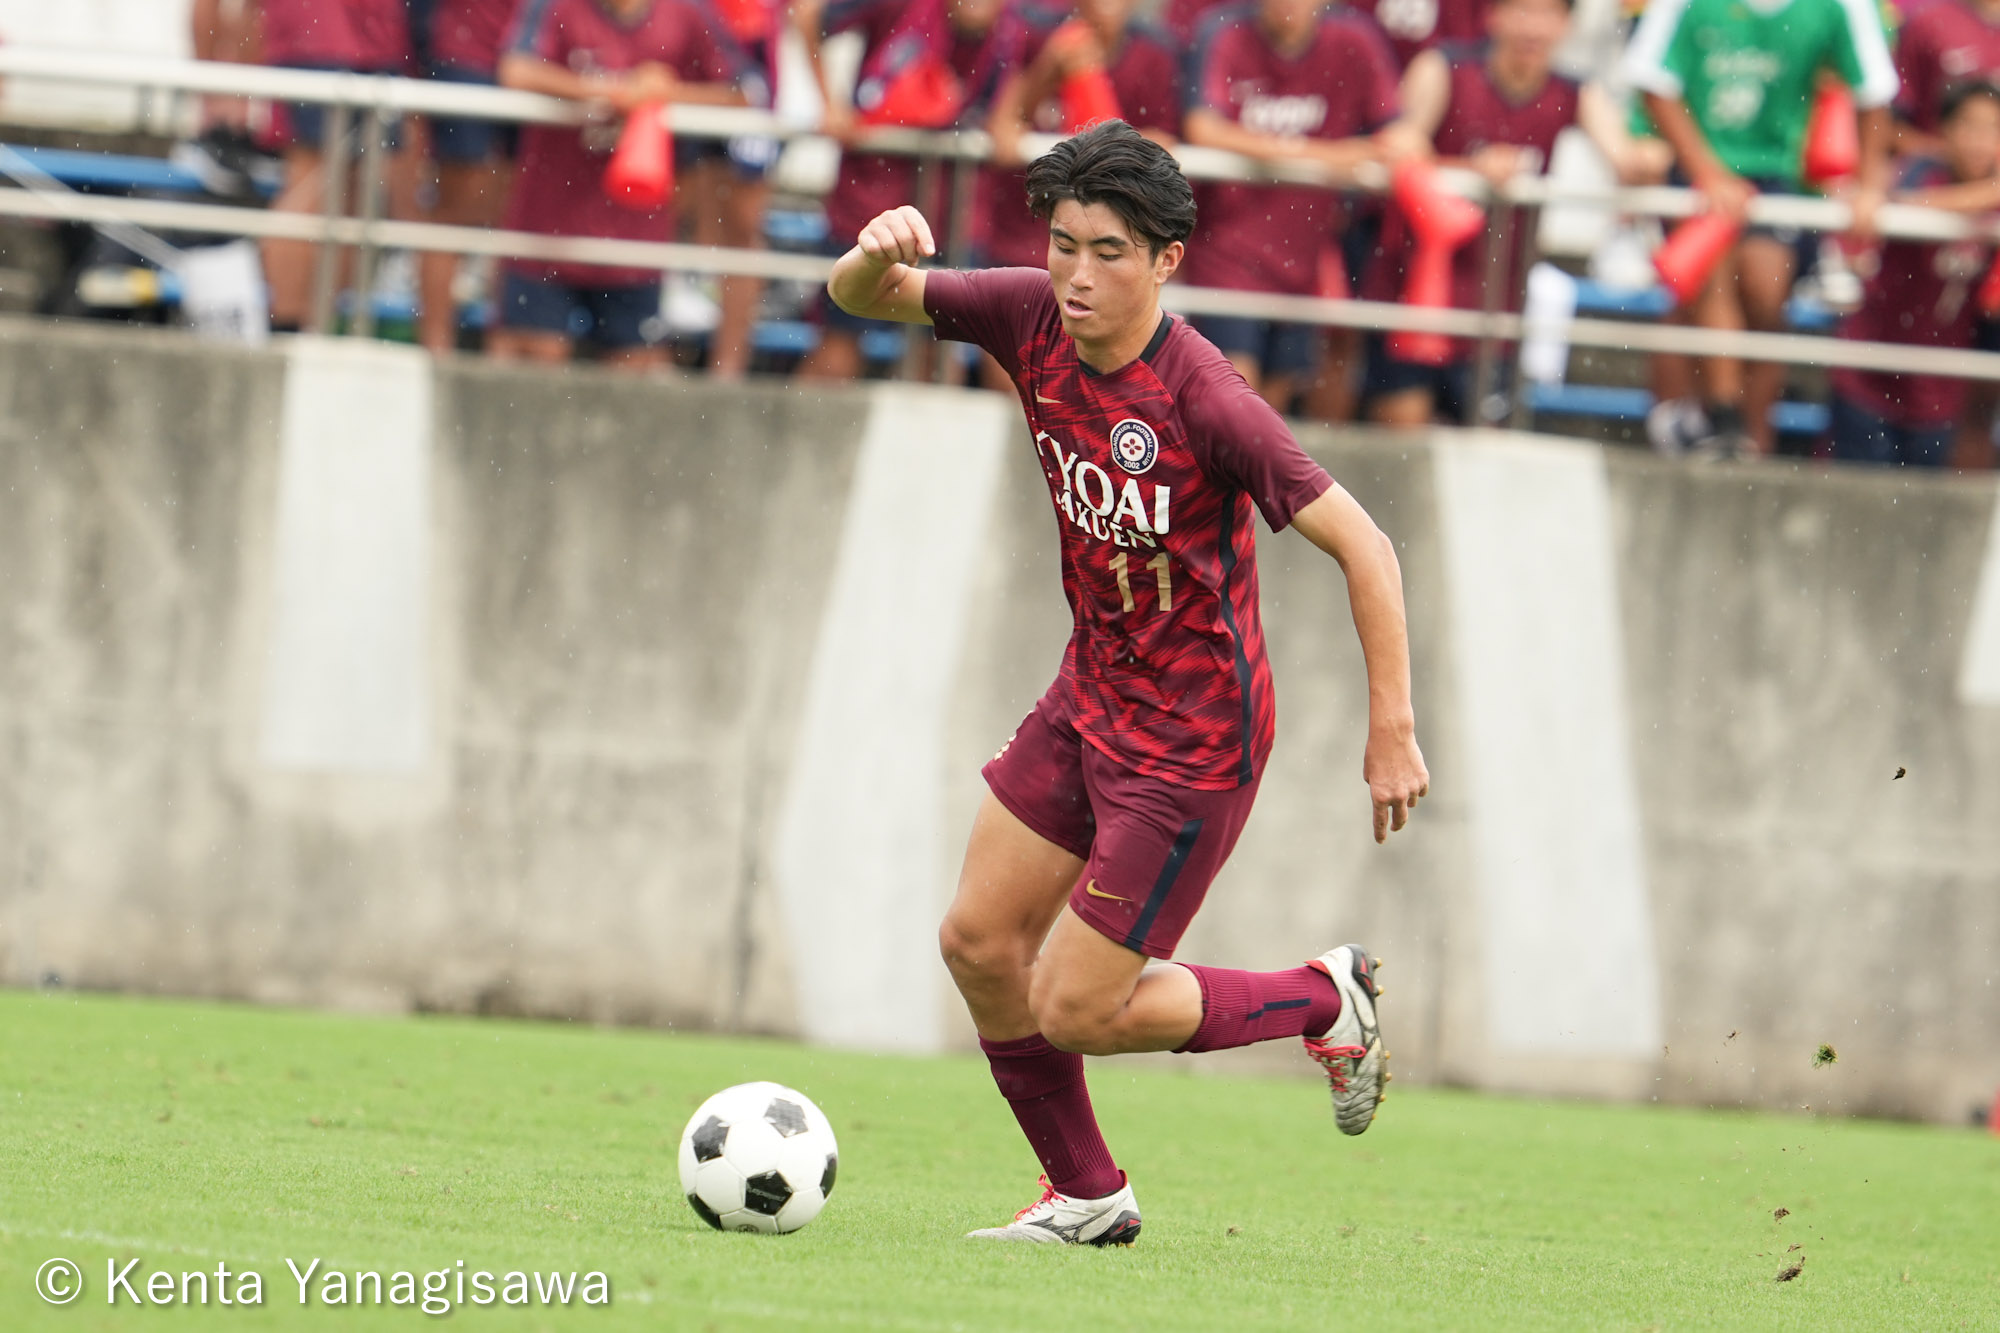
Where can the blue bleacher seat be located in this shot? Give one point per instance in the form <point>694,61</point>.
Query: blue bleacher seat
<point>1610,403</point>
<point>117,171</point>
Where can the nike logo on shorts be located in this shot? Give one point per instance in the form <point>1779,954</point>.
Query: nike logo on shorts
<point>1052,402</point>
<point>1095,892</point>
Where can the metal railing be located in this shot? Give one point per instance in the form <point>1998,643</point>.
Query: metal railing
<point>369,102</point>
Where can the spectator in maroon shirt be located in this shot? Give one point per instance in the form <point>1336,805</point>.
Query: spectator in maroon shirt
<point>1941,43</point>
<point>625,54</point>
<point>1144,70</point>
<point>1496,108</point>
<point>1922,293</point>
<point>964,44</point>
<point>723,187</point>
<point>1414,26</point>
<point>460,41</point>
<point>361,36</point>
<point>1283,81</point>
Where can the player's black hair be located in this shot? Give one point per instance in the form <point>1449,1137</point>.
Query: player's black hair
<point>1113,164</point>
<point>1958,94</point>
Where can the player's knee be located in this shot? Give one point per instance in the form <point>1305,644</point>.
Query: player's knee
<point>1071,1024</point>
<point>970,951</point>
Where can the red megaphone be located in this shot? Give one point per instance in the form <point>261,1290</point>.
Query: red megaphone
<point>1088,98</point>
<point>1330,275</point>
<point>1691,252</point>
<point>1428,285</point>
<point>641,174</point>
<point>1988,299</point>
<point>1833,138</point>
<point>1437,216</point>
<point>924,94</point>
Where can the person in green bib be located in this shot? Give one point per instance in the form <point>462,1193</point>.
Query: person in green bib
<point>1730,85</point>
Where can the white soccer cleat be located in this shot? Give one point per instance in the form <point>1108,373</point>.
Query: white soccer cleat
<point>1057,1219</point>
<point>1351,1050</point>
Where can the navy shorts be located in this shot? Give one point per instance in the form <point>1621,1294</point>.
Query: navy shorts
<point>1450,384</point>
<point>1277,348</point>
<point>1860,436</point>
<point>303,124</point>
<point>614,317</point>
<point>462,140</point>
<point>1150,848</point>
<point>751,156</point>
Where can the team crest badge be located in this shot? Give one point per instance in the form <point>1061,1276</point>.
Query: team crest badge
<point>1134,445</point>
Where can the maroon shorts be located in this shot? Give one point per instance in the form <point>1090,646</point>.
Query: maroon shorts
<point>1150,848</point>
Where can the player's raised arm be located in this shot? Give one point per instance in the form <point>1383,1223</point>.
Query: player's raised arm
<point>1393,766</point>
<point>879,277</point>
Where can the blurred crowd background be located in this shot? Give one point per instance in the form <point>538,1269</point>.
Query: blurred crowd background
<point>1863,101</point>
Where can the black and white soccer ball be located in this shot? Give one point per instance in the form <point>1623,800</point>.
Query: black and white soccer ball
<point>758,1157</point>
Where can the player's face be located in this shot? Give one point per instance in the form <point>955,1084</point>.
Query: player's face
<point>1972,139</point>
<point>1106,280</point>
<point>1529,30</point>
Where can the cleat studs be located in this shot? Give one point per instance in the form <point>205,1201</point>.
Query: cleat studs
<point>1377,964</point>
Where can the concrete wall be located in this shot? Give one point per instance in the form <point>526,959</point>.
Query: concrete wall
<point>329,677</point>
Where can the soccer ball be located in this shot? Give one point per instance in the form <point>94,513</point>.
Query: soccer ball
<point>758,1157</point>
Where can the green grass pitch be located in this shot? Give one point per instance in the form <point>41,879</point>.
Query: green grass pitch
<point>190,1134</point>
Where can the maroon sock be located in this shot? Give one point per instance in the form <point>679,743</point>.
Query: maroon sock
<point>1238,1008</point>
<point>1045,1088</point>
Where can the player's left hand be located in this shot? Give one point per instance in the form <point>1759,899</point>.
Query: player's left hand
<point>1394,769</point>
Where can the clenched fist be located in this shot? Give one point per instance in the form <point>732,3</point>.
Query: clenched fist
<point>899,236</point>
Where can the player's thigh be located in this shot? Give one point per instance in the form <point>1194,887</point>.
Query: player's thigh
<point>1082,979</point>
<point>1010,889</point>
<point>1029,840</point>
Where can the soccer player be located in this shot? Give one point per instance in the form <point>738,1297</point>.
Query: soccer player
<point>359,36</point>
<point>1283,81</point>
<point>628,53</point>
<point>1117,800</point>
<point>1497,109</point>
<point>460,41</point>
<point>1922,294</point>
<point>1730,87</point>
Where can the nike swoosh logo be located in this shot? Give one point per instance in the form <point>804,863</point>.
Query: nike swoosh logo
<point>1052,402</point>
<point>1095,892</point>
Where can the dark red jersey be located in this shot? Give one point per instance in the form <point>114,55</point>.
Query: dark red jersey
<point>1412,26</point>
<point>1477,115</point>
<point>1270,238</point>
<point>1155,471</point>
<point>1940,44</point>
<point>372,36</point>
<point>465,34</point>
<point>896,35</point>
<point>1145,72</point>
<point>559,187</point>
<point>1922,293</point>
<point>1183,19</point>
